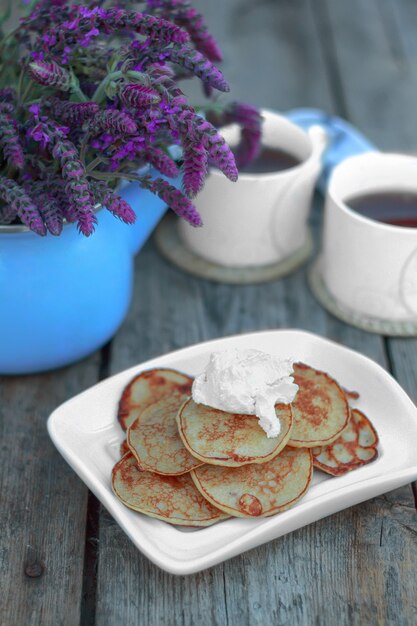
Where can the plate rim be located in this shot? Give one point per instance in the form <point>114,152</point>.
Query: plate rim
<point>254,537</point>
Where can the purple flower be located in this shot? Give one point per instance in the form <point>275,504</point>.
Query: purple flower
<point>80,197</point>
<point>188,17</point>
<point>71,24</point>
<point>117,19</point>
<point>162,162</point>
<point>112,120</point>
<point>50,40</point>
<point>46,131</point>
<point>138,95</point>
<point>35,109</point>
<point>85,41</point>
<point>85,12</point>
<point>195,62</point>
<point>250,120</point>
<point>65,57</point>
<point>7,214</point>
<point>48,206</point>
<point>113,203</point>
<point>176,200</point>
<point>200,130</point>
<point>40,134</point>
<point>194,167</point>
<point>10,141</point>
<point>16,197</point>
<point>73,113</point>
<point>49,74</point>
<point>7,94</point>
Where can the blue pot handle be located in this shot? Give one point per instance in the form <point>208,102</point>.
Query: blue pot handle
<point>344,140</point>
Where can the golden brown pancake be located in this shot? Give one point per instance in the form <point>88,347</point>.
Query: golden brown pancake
<point>320,409</point>
<point>257,490</point>
<point>149,387</point>
<point>356,446</point>
<point>230,439</point>
<point>173,499</point>
<point>124,448</point>
<point>154,440</point>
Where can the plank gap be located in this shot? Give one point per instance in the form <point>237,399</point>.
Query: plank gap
<point>225,597</point>
<point>391,368</point>
<point>392,32</point>
<point>92,528</point>
<point>91,551</point>
<point>414,490</point>
<point>388,355</point>
<point>326,38</point>
<point>105,359</point>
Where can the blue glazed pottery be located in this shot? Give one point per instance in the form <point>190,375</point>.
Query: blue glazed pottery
<point>64,297</point>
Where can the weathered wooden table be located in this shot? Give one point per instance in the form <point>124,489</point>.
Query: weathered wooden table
<point>63,560</point>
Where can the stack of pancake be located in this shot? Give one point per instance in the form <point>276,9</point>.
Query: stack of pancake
<point>189,464</point>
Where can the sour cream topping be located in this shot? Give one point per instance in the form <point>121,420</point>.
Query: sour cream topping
<point>249,382</point>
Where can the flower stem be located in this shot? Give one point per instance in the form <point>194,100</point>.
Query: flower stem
<point>77,91</point>
<point>101,89</point>
<point>110,175</point>
<point>26,92</point>
<point>83,147</point>
<point>94,164</point>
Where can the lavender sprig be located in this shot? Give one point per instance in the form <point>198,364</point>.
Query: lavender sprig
<point>113,202</point>
<point>201,130</point>
<point>162,162</point>
<point>8,214</point>
<point>49,74</point>
<point>77,187</point>
<point>113,121</point>
<point>173,197</point>
<point>138,96</point>
<point>72,113</point>
<point>90,23</point>
<point>8,94</point>
<point>19,202</point>
<point>250,120</point>
<point>196,63</point>
<point>48,206</point>
<point>10,142</point>
<point>184,14</point>
<point>195,168</point>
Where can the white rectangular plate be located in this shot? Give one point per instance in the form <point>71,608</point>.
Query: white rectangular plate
<point>86,432</point>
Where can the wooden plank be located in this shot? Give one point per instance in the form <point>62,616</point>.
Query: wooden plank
<point>130,589</point>
<point>390,51</point>
<point>381,106</point>
<point>378,80</point>
<point>272,55</point>
<point>43,503</point>
<point>343,568</point>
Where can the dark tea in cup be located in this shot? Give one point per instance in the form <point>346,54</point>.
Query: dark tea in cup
<point>398,207</point>
<point>271,160</point>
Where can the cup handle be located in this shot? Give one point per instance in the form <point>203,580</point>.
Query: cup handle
<point>319,140</point>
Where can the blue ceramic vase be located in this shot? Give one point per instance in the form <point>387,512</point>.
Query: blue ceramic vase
<point>64,297</point>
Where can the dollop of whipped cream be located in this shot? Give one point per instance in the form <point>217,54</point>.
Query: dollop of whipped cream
<point>249,382</point>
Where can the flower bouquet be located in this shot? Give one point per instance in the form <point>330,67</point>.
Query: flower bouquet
<point>89,95</point>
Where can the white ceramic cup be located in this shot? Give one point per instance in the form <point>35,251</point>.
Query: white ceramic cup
<point>370,267</point>
<point>262,218</point>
